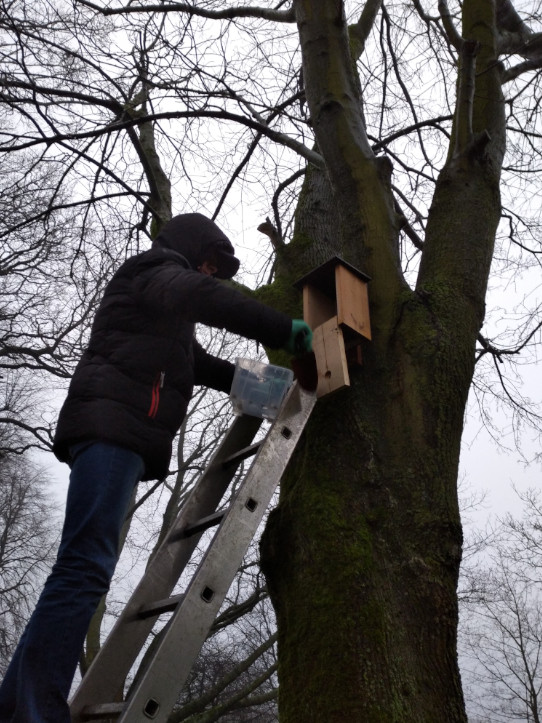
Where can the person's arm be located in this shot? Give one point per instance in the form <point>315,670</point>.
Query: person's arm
<point>168,286</point>
<point>210,371</point>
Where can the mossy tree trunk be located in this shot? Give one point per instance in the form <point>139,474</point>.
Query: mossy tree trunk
<point>363,551</point>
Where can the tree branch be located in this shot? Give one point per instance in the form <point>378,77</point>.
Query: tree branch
<point>275,201</point>
<point>432,122</point>
<point>516,70</point>
<point>489,348</point>
<point>407,227</point>
<point>281,138</point>
<point>279,16</point>
<point>111,104</point>
<point>234,612</point>
<point>272,232</point>
<point>451,31</point>
<point>236,174</point>
<point>424,16</point>
<point>211,716</point>
<point>359,32</point>
<point>257,699</point>
<point>199,705</point>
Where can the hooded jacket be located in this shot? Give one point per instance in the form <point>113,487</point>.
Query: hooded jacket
<point>133,383</point>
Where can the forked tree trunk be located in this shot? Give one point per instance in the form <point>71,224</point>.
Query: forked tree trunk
<point>362,554</point>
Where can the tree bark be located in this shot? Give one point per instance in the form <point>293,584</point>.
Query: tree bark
<point>363,551</point>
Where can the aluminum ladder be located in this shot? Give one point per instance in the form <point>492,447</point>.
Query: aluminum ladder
<point>155,693</point>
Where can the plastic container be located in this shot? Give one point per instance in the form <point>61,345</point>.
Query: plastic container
<point>258,389</point>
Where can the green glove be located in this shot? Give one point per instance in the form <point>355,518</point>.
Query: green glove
<point>300,338</point>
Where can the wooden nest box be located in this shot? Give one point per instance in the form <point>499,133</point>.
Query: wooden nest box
<point>336,307</point>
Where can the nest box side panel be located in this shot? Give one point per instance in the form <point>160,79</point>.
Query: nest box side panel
<point>352,301</point>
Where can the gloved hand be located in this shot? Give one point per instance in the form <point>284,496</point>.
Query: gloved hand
<point>300,338</point>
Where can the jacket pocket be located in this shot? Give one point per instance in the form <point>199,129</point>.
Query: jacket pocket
<point>155,398</point>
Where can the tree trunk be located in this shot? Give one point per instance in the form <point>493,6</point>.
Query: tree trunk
<point>363,551</point>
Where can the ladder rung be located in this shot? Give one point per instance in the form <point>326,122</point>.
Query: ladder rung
<point>199,526</point>
<point>241,455</point>
<point>103,710</point>
<point>159,606</point>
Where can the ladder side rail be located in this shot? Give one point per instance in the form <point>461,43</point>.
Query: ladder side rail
<point>160,685</point>
<point>109,669</point>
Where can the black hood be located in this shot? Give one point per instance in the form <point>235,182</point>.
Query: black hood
<point>194,236</point>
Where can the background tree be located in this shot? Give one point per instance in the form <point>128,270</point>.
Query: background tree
<point>501,631</point>
<point>29,521</point>
<point>140,107</point>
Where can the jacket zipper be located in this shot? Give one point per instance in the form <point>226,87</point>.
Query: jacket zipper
<point>155,399</point>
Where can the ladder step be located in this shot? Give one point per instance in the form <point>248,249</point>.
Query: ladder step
<point>159,607</point>
<point>199,526</point>
<point>241,455</point>
<point>103,710</point>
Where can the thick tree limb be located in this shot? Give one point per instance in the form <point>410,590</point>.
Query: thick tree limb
<point>272,232</point>
<point>359,179</point>
<point>516,38</point>
<point>159,183</point>
<point>275,204</point>
<point>359,32</point>
<point>160,188</point>
<point>424,16</point>
<point>516,70</point>
<point>516,35</point>
<point>278,16</point>
<point>451,31</point>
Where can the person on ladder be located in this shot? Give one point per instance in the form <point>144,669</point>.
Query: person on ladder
<point>126,401</point>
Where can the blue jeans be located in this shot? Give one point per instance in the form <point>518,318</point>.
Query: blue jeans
<point>37,683</point>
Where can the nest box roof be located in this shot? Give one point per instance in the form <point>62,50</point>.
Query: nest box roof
<point>323,277</point>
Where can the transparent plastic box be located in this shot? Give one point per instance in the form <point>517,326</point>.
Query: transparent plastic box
<point>258,389</point>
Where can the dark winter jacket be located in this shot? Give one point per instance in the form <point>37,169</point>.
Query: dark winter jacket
<point>133,383</point>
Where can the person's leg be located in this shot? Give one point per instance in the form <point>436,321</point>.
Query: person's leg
<point>38,680</point>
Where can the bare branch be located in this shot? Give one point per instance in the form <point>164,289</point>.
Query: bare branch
<point>236,174</point>
<point>271,232</point>
<point>285,140</point>
<point>430,123</point>
<point>278,16</point>
<point>359,32</point>
<point>516,70</point>
<point>275,201</point>
<point>407,227</point>
<point>451,31</point>
<point>203,701</point>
